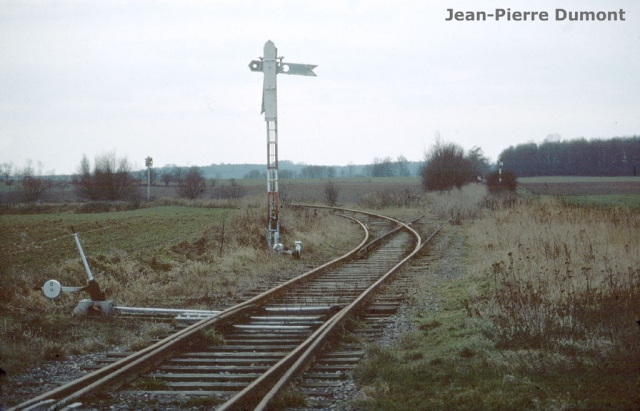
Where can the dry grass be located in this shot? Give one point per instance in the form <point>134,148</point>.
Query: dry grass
<point>458,205</point>
<point>559,298</point>
<point>539,312</point>
<point>563,277</point>
<point>391,198</point>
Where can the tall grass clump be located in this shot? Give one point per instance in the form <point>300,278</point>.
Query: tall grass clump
<point>561,278</point>
<point>458,205</point>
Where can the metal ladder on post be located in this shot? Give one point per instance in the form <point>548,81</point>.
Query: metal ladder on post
<point>273,235</point>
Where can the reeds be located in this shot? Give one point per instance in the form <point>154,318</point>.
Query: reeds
<point>458,205</point>
<point>561,277</point>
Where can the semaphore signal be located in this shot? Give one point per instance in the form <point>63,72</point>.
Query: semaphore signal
<point>271,65</point>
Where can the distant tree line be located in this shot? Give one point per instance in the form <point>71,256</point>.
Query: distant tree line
<point>309,171</point>
<point>318,172</point>
<point>580,157</point>
<point>381,167</point>
<point>386,167</point>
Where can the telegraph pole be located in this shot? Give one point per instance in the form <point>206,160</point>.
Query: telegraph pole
<point>271,65</point>
<point>148,162</point>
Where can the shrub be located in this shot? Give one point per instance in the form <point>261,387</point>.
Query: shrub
<point>446,167</point>
<point>33,186</point>
<point>459,205</point>
<point>331,193</point>
<point>111,179</point>
<point>192,184</point>
<point>232,191</point>
<point>508,183</point>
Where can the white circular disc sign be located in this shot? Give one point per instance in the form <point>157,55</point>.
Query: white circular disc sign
<point>51,289</point>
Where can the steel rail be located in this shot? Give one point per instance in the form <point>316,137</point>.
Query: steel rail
<point>377,240</point>
<point>139,361</point>
<point>291,363</point>
<point>331,324</point>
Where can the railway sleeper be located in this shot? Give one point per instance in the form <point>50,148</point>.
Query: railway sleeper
<point>279,324</point>
<point>309,310</point>
<point>258,341</point>
<point>338,375</point>
<point>180,393</point>
<point>317,392</point>
<point>338,360</point>
<point>336,367</point>
<point>189,377</point>
<point>279,335</point>
<point>247,349</point>
<point>223,361</point>
<point>218,386</point>
<point>226,354</point>
<point>321,383</point>
<point>379,308</point>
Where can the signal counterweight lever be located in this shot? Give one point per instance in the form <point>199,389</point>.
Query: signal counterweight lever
<point>52,288</point>
<point>92,286</point>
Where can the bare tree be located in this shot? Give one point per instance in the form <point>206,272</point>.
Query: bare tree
<point>382,167</point>
<point>5,171</point>
<point>351,170</point>
<point>166,178</point>
<point>402,166</point>
<point>84,182</point>
<point>479,162</point>
<point>331,193</point>
<point>254,174</point>
<point>192,183</point>
<point>33,185</point>
<point>111,179</point>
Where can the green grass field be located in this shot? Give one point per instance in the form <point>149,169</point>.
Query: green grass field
<point>611,200</point>
<point>587,191</point>
<point>36,241</point>
<point>572,179</point>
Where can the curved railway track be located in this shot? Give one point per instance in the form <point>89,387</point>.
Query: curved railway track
<point>268,339</point>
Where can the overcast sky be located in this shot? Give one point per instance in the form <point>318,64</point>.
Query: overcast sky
<point>170,79</point>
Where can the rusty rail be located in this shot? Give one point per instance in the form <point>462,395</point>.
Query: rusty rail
<point>287,367</point>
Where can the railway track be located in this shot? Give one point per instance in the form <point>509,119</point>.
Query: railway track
<point>260,344</point>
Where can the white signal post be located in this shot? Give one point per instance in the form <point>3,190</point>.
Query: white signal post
<point>271,65</point>
<point>149,163</point>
